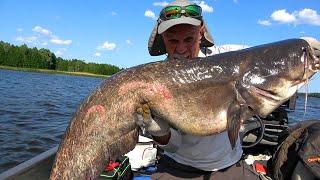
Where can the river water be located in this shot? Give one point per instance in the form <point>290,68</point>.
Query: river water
<point>35,109</point>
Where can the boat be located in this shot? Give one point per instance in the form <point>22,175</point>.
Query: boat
<point>39,167</point>
<point>260,137</point>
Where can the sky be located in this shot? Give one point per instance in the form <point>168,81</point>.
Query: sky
<point>117,32</point>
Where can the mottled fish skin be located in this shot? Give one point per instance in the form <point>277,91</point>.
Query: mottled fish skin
<point>199,97</point>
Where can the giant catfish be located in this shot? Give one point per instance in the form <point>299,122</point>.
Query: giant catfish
<point>197,96</point>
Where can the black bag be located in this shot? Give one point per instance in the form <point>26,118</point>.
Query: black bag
<point>301,145</point>
<point>309,153</point>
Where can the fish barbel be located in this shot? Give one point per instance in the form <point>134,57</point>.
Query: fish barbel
<point>201,96</point>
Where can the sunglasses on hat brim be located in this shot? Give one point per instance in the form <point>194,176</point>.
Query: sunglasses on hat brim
<point>174,12</point>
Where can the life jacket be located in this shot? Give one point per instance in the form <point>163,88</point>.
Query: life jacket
<point>301,147</point>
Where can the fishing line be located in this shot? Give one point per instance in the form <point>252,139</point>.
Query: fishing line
<point>307,83</point>
<point>306,99</point>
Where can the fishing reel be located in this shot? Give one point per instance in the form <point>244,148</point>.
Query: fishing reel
<point>251,132</point>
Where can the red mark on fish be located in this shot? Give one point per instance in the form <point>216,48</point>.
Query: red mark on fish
<point>97,109</point>
<point>162,90</point>
<point>151,88</point>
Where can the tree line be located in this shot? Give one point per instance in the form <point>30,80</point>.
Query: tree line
<point>25,57</point>
<point>310,94</point>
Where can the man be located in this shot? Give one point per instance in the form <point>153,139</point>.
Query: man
<point>181,32</point>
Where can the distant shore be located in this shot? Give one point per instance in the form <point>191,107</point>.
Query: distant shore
<point>53,72</point>
<point>310,94</point>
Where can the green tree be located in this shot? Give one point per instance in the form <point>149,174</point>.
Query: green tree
<point>62,65</point>
<point>53,61</point>
<point>2,54</point>
<point>22,56</point>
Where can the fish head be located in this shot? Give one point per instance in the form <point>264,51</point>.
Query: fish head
<point>268,83</point>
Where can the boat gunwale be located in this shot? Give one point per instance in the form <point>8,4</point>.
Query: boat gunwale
<point>29,164</point>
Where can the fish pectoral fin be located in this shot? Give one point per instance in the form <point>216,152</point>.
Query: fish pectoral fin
<point>234,119</point>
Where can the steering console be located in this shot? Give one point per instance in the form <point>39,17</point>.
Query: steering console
<point>251,126</point>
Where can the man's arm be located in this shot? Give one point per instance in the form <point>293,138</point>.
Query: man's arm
<point>162,140</point>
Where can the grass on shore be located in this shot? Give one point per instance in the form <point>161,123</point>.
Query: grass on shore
<point>54,71</point>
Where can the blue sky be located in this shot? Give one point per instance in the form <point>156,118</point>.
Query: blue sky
<point>117,32</point>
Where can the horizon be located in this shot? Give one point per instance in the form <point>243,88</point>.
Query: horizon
<point>117,33</point>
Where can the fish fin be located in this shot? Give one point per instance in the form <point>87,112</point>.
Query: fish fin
<point>233,122</point>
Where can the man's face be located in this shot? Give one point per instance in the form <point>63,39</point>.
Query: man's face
<point>182,41</point>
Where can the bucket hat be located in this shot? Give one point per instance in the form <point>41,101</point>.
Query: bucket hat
<point>156,45</point>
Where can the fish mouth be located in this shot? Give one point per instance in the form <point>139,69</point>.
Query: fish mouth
<point>266,94</point>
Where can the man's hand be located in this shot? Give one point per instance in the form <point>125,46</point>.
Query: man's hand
<point>156,127</point>
<point>314,44</point>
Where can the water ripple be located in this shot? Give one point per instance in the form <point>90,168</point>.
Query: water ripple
<point>35,109</point>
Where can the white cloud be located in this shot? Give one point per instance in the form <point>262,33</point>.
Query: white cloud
<point>264,22</point>
<point>304,16</point>
<point>308,16</point>
<point>114,13</point>
<point>128,41</point>
<point>231,47</point>
<point>97,54</point>
<point>282,16</point>
<point>107,46</point>
<point>161,4</point>
<point>41,30</point>
<point>58,41</point>
<point>60,52</point>
<point>205,7</point>
<point>29,39</point>
<point>43,40</point>
<point>149,13</point>
<point>224,48</point>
